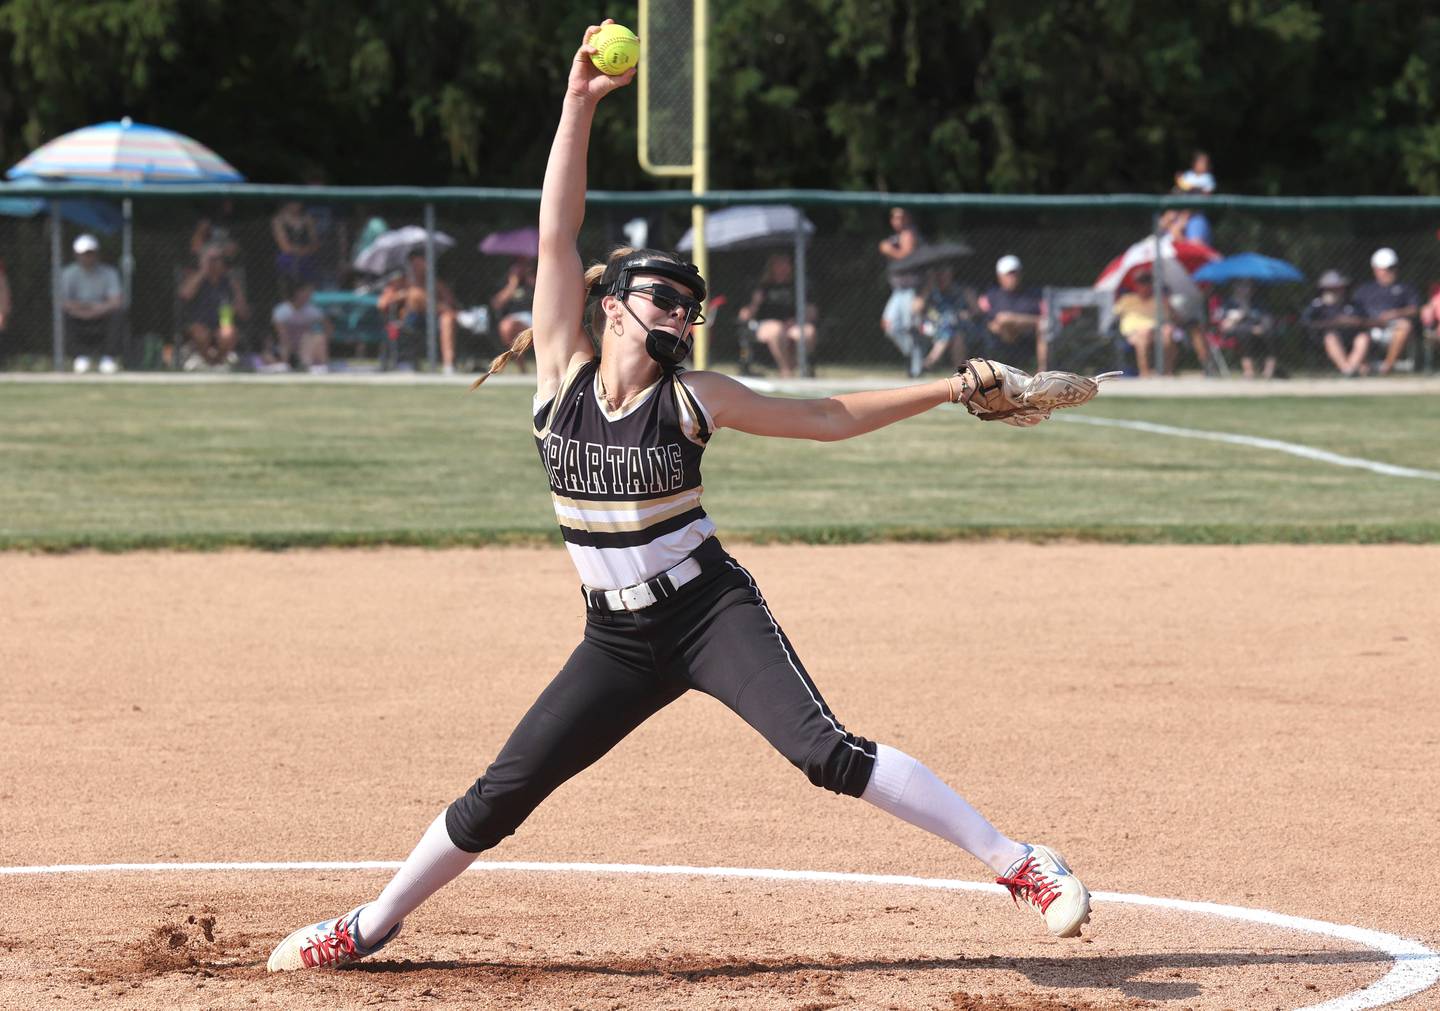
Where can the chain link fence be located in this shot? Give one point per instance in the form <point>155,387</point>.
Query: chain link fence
<point>1063,245</point>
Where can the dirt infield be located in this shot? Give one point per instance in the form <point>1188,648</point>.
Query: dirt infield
<point>1253,726</point>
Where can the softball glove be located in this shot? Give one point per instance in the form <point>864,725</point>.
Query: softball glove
<point>993,391</point>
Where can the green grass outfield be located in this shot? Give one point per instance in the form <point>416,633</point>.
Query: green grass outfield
<point>117,466</point>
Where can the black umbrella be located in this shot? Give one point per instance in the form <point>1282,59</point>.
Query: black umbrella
<point>929,255</point>
<point>751,227</point>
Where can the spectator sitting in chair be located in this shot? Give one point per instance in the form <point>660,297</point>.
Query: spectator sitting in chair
<point>1429,317</point>
<point>943,308</point>
<point>214,303</point>
<point>302,331</point>
<point>1391,307</point>
<point>404,300</point>
<point>771,313</point>
<point>1012,313</point>
<point>1337,322</point>
<point>1250,327</point>
<point>1136,314</point>
<point>92,300</point>
<point>218,229</point>
<point>512,303</point>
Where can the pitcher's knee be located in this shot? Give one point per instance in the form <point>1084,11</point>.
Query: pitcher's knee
<point>844,766</point>
<point>481,818</point>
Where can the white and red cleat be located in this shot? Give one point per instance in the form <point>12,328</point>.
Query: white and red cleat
<point>327,943</point>
<point>1044,881</point>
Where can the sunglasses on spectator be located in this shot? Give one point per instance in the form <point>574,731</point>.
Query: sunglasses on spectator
<point>667,299</point>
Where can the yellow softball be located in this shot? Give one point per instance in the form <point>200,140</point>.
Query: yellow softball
<point>616,49</point>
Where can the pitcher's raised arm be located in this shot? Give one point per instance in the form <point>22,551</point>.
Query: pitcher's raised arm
<point>559,304</point>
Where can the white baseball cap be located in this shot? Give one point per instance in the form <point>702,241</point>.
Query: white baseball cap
<point>86,244</point>
<point>1007,264</point>
<point>1384,258</point>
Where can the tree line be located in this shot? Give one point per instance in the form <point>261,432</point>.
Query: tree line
<point>1290,97</point>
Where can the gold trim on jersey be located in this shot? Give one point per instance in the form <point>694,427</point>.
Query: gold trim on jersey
<point>622,517</point>
<point>697,429</point>
<point>560,392</point>
<point>626,409</point>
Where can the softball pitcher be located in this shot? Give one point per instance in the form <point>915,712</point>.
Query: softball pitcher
<point>621,436</point>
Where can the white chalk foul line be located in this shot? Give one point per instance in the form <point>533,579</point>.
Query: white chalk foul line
<point>1255,442</point>
<point>1416,967</point>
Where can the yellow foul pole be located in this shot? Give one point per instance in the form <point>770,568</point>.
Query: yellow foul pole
<point>699,168</point>
<point>700,161</point>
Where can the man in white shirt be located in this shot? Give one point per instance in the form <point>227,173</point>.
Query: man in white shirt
<point>92,299</point>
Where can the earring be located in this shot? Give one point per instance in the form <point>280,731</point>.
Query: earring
<point>614,324</point>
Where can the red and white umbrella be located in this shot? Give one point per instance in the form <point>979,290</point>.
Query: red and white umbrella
<point>1177,261</point>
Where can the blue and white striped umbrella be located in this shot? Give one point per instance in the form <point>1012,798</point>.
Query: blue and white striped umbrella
<point>123,153</point>
<point>126,152</point>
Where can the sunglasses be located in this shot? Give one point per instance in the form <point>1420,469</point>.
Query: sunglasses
<point>667,299</point>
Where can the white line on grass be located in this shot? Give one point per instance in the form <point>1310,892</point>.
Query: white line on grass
<point>1293,448</point>
<point>1416,968</point>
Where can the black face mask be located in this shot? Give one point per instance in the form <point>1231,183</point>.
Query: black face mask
<point>666,348</point>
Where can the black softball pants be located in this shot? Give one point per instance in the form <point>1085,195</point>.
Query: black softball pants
<point>715,635</point>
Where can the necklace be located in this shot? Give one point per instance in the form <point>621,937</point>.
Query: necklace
<point>605,394</point>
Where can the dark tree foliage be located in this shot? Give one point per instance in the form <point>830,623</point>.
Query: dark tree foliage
<point>1019,96</point>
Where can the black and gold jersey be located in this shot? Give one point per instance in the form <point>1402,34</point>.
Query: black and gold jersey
<point>626,484</point>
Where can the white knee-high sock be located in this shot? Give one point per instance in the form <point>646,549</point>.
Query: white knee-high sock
<point>910,791</point>
<point>435,861</point>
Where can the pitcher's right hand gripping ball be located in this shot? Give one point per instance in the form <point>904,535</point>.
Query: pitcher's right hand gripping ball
<point>616,49</point>
<point>993,391</point>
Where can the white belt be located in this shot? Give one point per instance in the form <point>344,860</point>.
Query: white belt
<point>642,595</point>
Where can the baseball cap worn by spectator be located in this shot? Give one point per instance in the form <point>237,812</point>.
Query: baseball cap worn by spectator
<point>1333,279</point>
<point>86,244</point>
<point>1384,258</point>
<point>1007,265</point>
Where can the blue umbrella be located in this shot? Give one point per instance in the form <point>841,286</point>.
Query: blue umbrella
<point>1249,266</point>
<point>124,153</point>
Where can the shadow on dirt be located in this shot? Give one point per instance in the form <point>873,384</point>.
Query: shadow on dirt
<point>1131,975</point>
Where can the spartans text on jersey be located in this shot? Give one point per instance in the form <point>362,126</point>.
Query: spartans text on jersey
<point>598,469</point>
